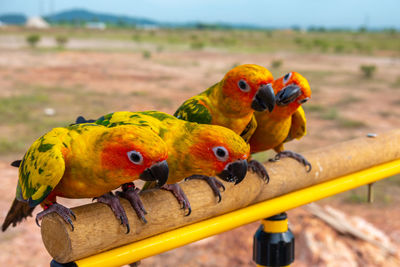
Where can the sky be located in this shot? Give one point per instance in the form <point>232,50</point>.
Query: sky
<point>288,13</point>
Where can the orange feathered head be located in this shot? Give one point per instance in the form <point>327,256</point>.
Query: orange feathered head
<point>134,151</point>
<point>219,151</point>
<point>291,90</point>
<point>246,88</point>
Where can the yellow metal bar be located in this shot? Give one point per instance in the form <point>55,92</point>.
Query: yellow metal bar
<point>191,233</point>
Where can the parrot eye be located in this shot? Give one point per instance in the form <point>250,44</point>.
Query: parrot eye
<point>135,157</point>
<point>243,86</point>
<point>302,101</point>
<point>287,77</point>
<point>221,153</point>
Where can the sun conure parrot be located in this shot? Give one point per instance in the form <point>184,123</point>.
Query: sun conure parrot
<point>287,121</point>
<point>232,102</point>
<point>195,151</point>
<point>86,161</point>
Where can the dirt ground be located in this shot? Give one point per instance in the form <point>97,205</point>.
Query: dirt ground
<point>344,105</point>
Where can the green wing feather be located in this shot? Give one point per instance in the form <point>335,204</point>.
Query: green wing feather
<point>42,168</point>
<point>250,129</point>
<point>194,110</point>
<point>298,127</point>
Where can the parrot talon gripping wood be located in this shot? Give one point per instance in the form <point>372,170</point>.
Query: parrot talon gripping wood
<point>62,211</point>
<point>258,168</point>
<point>113,202</point>
<point>294,155</point>
<point>180,196</point>
<point>131,193</point>
<point>213,182</point>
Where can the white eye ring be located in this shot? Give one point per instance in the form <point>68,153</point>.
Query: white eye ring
<point>243,86</point>
<point>221,153</point>
<point>135,157</point>
<point>287,77</point>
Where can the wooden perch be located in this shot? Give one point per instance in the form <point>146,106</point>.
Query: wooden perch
<point>97,229</point>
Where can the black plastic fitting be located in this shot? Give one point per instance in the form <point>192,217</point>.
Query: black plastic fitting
<point>273,249</point>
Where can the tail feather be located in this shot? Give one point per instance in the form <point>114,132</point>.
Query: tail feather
<point>19,210</point>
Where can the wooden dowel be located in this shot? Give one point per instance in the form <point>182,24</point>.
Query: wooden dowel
<point>97,229</point>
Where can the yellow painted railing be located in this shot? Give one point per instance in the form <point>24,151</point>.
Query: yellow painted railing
<point>196,231</point>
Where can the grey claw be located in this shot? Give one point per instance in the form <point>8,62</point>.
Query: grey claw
<point>73,214</point>
<point>189,211</point>
<point>70,223</point>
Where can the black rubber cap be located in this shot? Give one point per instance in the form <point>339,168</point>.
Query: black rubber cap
<point>54,263</point>
<point>279,217</point>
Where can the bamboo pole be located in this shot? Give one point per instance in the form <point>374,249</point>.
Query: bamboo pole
<point>97,230</point>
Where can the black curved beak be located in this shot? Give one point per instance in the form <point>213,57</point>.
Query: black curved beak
<point>264,98</point>
<point>287,95</point>
<point>157,172</point>
<point>234,172</point>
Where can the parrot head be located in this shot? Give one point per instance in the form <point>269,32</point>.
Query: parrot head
<point>292,90</point>
<point>248,87</point>
<point>134,151</point>
<point>219,151</point>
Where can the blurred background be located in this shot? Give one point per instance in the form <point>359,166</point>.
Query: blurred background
<point>60,59</point>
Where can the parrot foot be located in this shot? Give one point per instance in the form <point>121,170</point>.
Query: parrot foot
<point>213,182</point>
<point>113,201</point>
<point>256,167</point>
<point>131,193</point>
<point>180,196</point>
<point>64,212</point>
<point>293,155</point>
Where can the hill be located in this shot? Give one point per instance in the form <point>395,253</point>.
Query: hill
<point>80,16</point>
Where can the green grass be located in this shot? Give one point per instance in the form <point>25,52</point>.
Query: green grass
<point>383,192</point>
<point>331,113</point>
<point>396,83</point>
<point>23,117</point>
<point>353,197</point>
<point>20,108</point>
<point>394,180</point>
<point>350,123</point>
<point>139,93</point>
<point>250,41</point>
<point>146,54</point>
<point>313,75</point>
<point>385,114</point>
<point>163,102</point>
<point>348,100</point>
<point>8,146</point>
<point>313,108</point>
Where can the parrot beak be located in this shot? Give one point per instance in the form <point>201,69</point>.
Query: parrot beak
<point>234,172</point>
<point>264,98</point>
<point>287,95</point>
<point>157,172</point>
